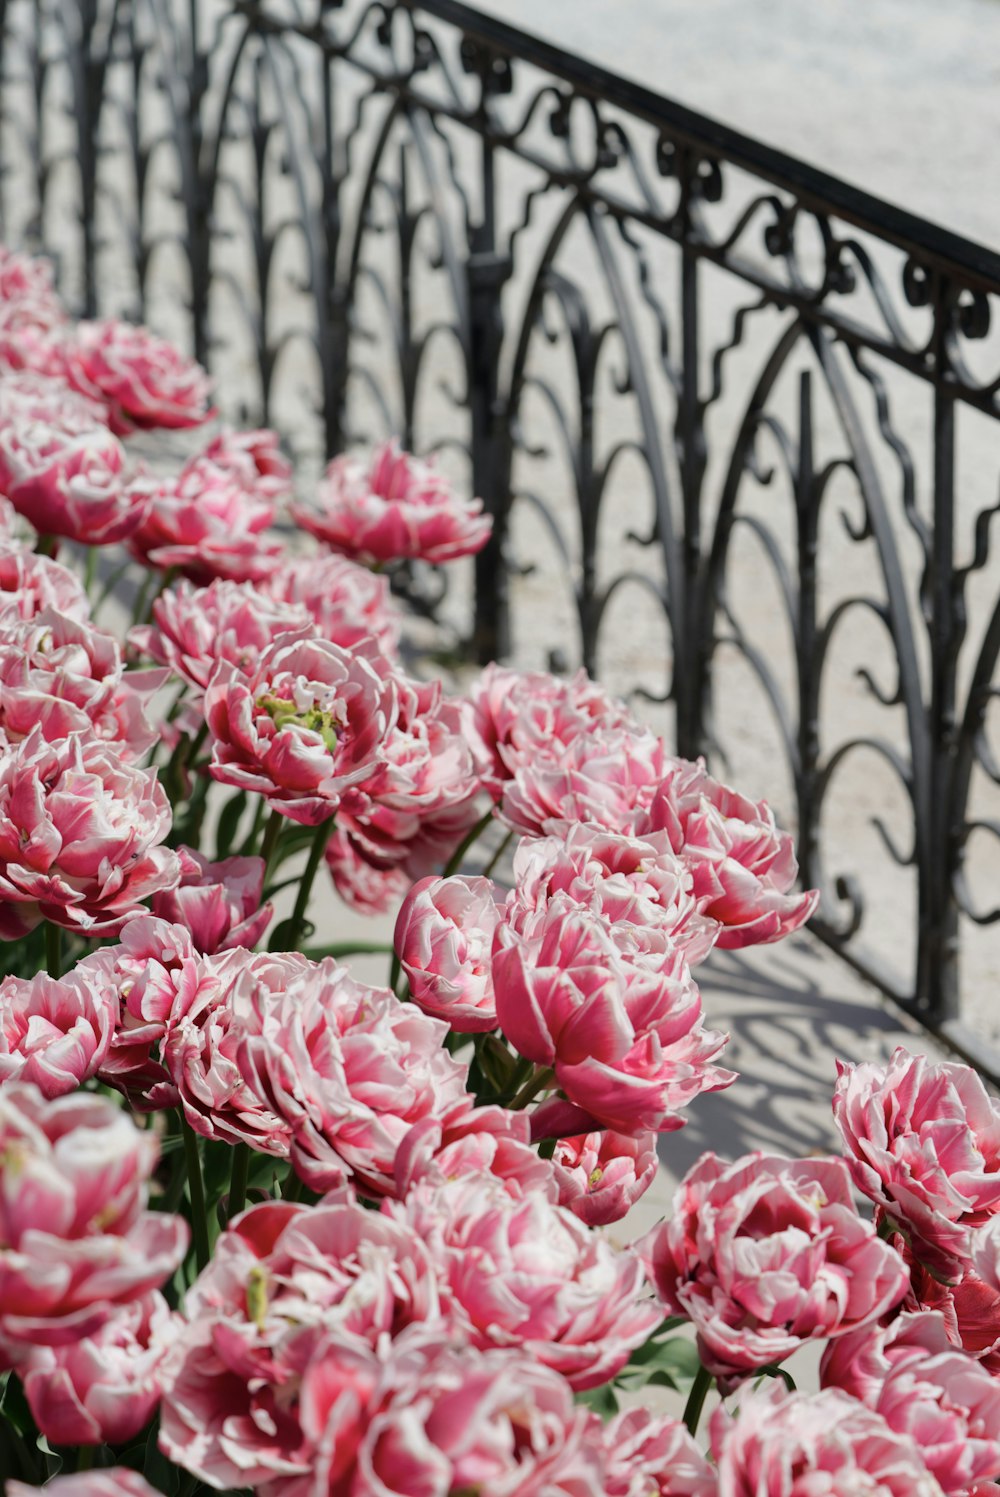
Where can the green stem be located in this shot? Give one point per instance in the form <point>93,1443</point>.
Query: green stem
<point>254,833</point>
<point>90,571</point>
<point>53,949</point>
<point>238,1180</point>
<point>454,863</point>
<point>142,599</point>
<point>292,1187</point>
<point>45,545</point>
<point>491,865</point>
<point>85,1458</point>
<point>395,968</point>
<point>196,1192</point>
<point>536,1083</point>
<point>114,577</point>
<point>696,1399</point>
<point>316,851</point>
<point>269,846</point>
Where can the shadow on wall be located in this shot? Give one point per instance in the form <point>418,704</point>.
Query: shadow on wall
<point>790,1011</point>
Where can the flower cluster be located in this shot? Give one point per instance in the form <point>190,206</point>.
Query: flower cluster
<point>286,1231</point>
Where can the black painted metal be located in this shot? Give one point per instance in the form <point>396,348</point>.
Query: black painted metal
<point>317,171</point>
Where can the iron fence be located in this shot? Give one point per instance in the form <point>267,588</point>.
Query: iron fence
<point>745,410</point>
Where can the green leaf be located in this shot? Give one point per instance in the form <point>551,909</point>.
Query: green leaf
<point>497,1063</point>
<point>14,1407</point>
<point>602,1400</point>
<point>158,1471</point>
<point>229,822</point>
<point>672,1363</point>
<point>772,1370</point>
<point>339,949</point>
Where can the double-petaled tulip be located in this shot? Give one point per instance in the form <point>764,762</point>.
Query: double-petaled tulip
<point>796,1445</point>
<point>476,1142</point>
<point>346,602</point>
<point>219,903</point>
<point>444,940</point>
<point>32,316</point>
<point>303,724</point>
<point>646,1455</point>
<point>283,1279</point>
<point>600,1176</point>
<point>923,1141</point>
<point>519,715</point>
<point>69,483</point>
<point>204,524</point>
<point>75,1238</point>
<point>524,1272</point>
<point>144,381</point>
<point>194,628</point>
<point>65,676</point>
<point>620,1025</point>
<point>607,775</point>
<point>54,1033</point>
<point>253,458</point>
<point>104,1389</point>
<point>766,1253</point>
<point>369,890</point>
<point>113,1481</point>
<point>391,508</point>
<point>442,1419</point>
<point>80,836</point>
<point>737,854</point>
<point>30,583</point>
<point>349,1069</point>
<point>942,1399</point>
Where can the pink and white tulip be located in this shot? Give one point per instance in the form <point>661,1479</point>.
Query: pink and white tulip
<point>647,1455</point>
<point>219,903</point>
<point>922,1140</point>
<point>80,836</point>
<point>600,1176</point>
<point>75,1238</point>
<point>765,1254</point>
<point>444,939</point>
<point>392,508</point>
<point>346,602</point>
<point>54,1033</point>
<point>142,379</point>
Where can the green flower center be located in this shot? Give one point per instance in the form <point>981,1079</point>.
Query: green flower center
<point>284,713</point>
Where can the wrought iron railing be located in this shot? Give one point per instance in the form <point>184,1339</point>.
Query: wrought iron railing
<point>741,414</point>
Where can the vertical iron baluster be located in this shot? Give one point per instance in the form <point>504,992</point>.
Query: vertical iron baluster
<point>692,651</point>
<point>937,948</point>
<point>807,500</point>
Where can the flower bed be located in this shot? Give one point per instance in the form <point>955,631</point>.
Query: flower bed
<point>266,1227</point>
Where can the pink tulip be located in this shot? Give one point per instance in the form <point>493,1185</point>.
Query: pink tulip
<point>969,1309</point>
<point>349,1069</point>
<point>143,379</point>
<point>421,800</point>
<point>254,459</point>
<point>600,1176</point>
<point>369,890</point>
<point>205,525</point>
<point>517,715</point>
<point>765,1254</point>
<point>621,1027</point>
<point>80,836</point>
<point>650,1456</point>
<point>55,1034</point>
<point>526,1273</point>
<point>443,1419</point>
<point>194,628</point>
<point>114,1481</point>
<point>606,775</point>
<point>794,1445</point>
<point>69,484</point>
<point>346,602</point>
<point>105,1388</point>
<point>219,903</point>
<point>66,676</point>
<point>31,313</point>
<point>444,937</point>
<point>393,508</point>
<point>943,1400</point>
<point>625,880</point>
<point>32,396</point>
<point>734,841</point>
<point>923,1142</point>
<point>201,1046</point>
<point>283,1280</point>
<point>30,583</point>
<point>477,1142</point>
<point>304,724</point>
<point>75,1239</point>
